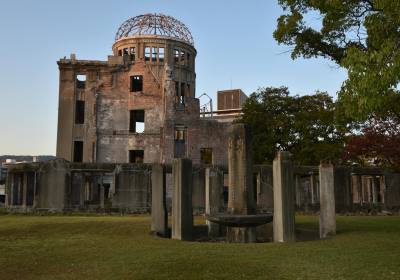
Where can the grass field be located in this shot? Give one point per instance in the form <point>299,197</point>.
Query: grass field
<point>109,247</point>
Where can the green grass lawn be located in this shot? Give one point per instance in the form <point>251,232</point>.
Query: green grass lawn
<point>109,247</point>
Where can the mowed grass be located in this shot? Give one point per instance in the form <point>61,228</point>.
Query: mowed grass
<point>110,247</point>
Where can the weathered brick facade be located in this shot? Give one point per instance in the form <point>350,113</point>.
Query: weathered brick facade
<point>172,123</point>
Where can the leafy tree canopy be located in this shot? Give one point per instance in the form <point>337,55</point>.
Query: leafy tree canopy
<point>377,142</point>
<point>378,145</point>
<point>362,36</point>
<point>303,125</point>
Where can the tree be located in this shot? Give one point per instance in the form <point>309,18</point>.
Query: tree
<point>378,144</point>
<point>303,125</point>
<point>363,36</point>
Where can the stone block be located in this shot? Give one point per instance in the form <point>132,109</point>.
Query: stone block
<point>327,218</point>
<point>241,193</point>
<point>159,214</point>
<point>284,198</point>
<point>182,209</point>
<point>214,198</point>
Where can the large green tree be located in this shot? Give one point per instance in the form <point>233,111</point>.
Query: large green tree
<point>303,125</point>
<point>363,36</point>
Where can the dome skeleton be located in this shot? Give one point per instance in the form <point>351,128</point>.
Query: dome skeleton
<point>155,24</point>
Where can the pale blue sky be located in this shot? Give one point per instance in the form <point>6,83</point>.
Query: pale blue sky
<point>233,39</point>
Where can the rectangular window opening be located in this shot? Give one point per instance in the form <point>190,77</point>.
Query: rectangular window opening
<point>182,95</point>
<point>188,93</point>
<point>136,156</point>
<point>125,51</point>
<point>183,58</point>
<point>136,121</point>
<point>81,81</point>
<point>78,151</point>
<point>180,142</point>
<point>136,83</point>
<point>176,56</point>
<point>188,59</point>
<point>133,54</point>
<point>161,54</point>
<point>147,53</point>
<point>80,112</point>
<point>154,54</point>
<point>206,155</point>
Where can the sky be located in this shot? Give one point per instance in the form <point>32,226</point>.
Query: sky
<point>234,42</point>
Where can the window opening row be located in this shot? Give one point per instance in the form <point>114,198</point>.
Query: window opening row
<point>181,57</point>
<point>154,54</point>
<point>131,52</point>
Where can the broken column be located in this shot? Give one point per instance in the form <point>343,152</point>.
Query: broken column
<point>284,198</point>
<point>214,198</point>
<point>327,218</point>
<point>182,211</point>
<point>241,194</point>
<point>159,213</point>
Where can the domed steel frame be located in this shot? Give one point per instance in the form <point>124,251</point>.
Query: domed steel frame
<point>155,24</point>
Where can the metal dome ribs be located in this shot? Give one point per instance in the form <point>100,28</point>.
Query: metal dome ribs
<point>155,24</point>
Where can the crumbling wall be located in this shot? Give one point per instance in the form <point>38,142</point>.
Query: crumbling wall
<point>51,188</point>
<point>392,192</point>
<point>132,190</point>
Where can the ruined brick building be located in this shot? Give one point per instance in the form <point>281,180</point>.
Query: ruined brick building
<point>140,105</point>
<point>118,117</point>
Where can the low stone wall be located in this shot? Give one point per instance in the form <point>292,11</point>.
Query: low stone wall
<point>59,185</point>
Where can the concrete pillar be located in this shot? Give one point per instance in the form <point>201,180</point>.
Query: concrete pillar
<point>356,188</point>
<point>101,194</point>
<point>258,189</point>
<point>182,210</point>
<point>82,190</point>
<point>327,218</point>
<point>284,192</point>
<point>159,213</point>
<point>24,188</point>
<point>312,189</point>
<point>298,191</point>
<point>382,188</point>
<point>375,189</point>
<point>363,190</point>
<point>9,182</point>
<point>198,195</point>
<point>241,193</point>
<point>35,191</point>
<point>307,195</point>
<point>214,198</point>
<point>10,188</point>
<point>370,190</point>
